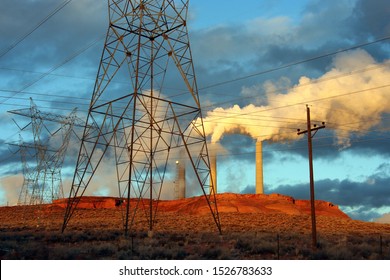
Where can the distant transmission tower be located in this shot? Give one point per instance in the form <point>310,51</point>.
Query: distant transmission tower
<point>145,104</point>
<point>42,180</point>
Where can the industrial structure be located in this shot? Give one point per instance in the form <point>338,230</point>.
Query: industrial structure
<point>42,157</point>
<point>180,180</point>
<point>140,123</point>
<point>213,170</point>
<point>259,180</point>
<point>259,168</point>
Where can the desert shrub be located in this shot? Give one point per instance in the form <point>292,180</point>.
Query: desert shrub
<point>107,235</point>
<point>211,253</point>
<point>362,250</point>
<point>126,255</point>
<point>175,237</point>
<point>53,237</point>
<point>262,247</point>
<point>210,238</point>
<point>103,250</point>
<point>256,244</point>
<point>8,248</point>
<point>67,253</point>
<point>334,253</point>
<point>305,253</point>
<point>161,253</point>
<point>181,254</point>
<point>69,237</point>
<point>124,244</point>
<point>34,251</point>
<point>243,245</point>
<point>319,255</point>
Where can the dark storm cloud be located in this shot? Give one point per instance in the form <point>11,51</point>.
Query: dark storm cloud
<point>371,18</point>
<point>284,55</point>
<point>249,190</point>
<point>77,24</point>
<point>373,145</point>
<point>262,44</point>
<point>325,147</point>
<point>10,161</point>
<point>374,193</point>
<point>6,153</point>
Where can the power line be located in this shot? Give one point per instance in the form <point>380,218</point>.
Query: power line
<point>303,147</point>
<point>318,81</point>
<point>306,101</point>
<point>71,57</point>
<point>44,74</point>
<point>259,73</point>
<point>296,63</point>
<point>50,74</point>
<point>28,33</point>
<point>254,113</point>
<point>384,64</point>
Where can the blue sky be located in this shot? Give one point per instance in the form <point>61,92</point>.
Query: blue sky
<point>284,54</point>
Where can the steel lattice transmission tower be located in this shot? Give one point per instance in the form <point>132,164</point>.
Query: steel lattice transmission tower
<point>42,180</point>
<point>145,104</point>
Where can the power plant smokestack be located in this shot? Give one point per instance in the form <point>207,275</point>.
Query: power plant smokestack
<point>259,168</point>
<point>213,172</point>
<point>180,183</point>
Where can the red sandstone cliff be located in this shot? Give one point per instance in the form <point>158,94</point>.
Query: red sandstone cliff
<point>226,202</point>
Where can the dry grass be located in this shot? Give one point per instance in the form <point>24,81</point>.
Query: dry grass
<point>33,233</point>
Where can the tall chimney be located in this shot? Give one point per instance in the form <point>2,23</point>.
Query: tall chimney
<point>213,172</point>
<point>259,168</point>
<point>180,183</point>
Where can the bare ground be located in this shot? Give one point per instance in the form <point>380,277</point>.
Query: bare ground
<point>34,232</point>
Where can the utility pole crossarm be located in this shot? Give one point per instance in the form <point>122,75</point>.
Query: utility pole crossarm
<point>315,129</point>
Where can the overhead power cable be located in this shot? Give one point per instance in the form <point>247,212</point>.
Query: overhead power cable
<point>257,113</point>
<point>28,33</point>
<point>311,82</point>
<point>304,102</point>
<point>240,78</point>
<point>295,63</point>
<point>71,57</point>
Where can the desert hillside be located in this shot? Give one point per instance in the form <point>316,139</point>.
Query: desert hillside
<point>253,227</point>
<point>227,203</point>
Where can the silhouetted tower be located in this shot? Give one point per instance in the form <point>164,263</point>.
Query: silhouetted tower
<point>50,139</point>
<point>145,104</point>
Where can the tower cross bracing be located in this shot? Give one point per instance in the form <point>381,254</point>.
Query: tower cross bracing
<point>144,108</point>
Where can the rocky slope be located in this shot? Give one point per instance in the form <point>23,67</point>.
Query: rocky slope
<point>226,202</point>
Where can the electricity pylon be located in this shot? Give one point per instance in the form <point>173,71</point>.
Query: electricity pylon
<point>29,177</point>
<point>51,135</point>
<point>145,104</point>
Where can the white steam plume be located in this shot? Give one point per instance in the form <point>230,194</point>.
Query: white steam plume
<point>10,189</point>
<point>362,87</point>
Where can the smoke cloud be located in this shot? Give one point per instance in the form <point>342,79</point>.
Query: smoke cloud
<point>351,98</point>
<point>10,189</point>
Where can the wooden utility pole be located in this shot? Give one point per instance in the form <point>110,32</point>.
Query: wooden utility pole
<point>309,131</point>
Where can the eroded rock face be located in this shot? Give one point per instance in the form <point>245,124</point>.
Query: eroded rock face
<point>226,202</point>
<point>92,202</point>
